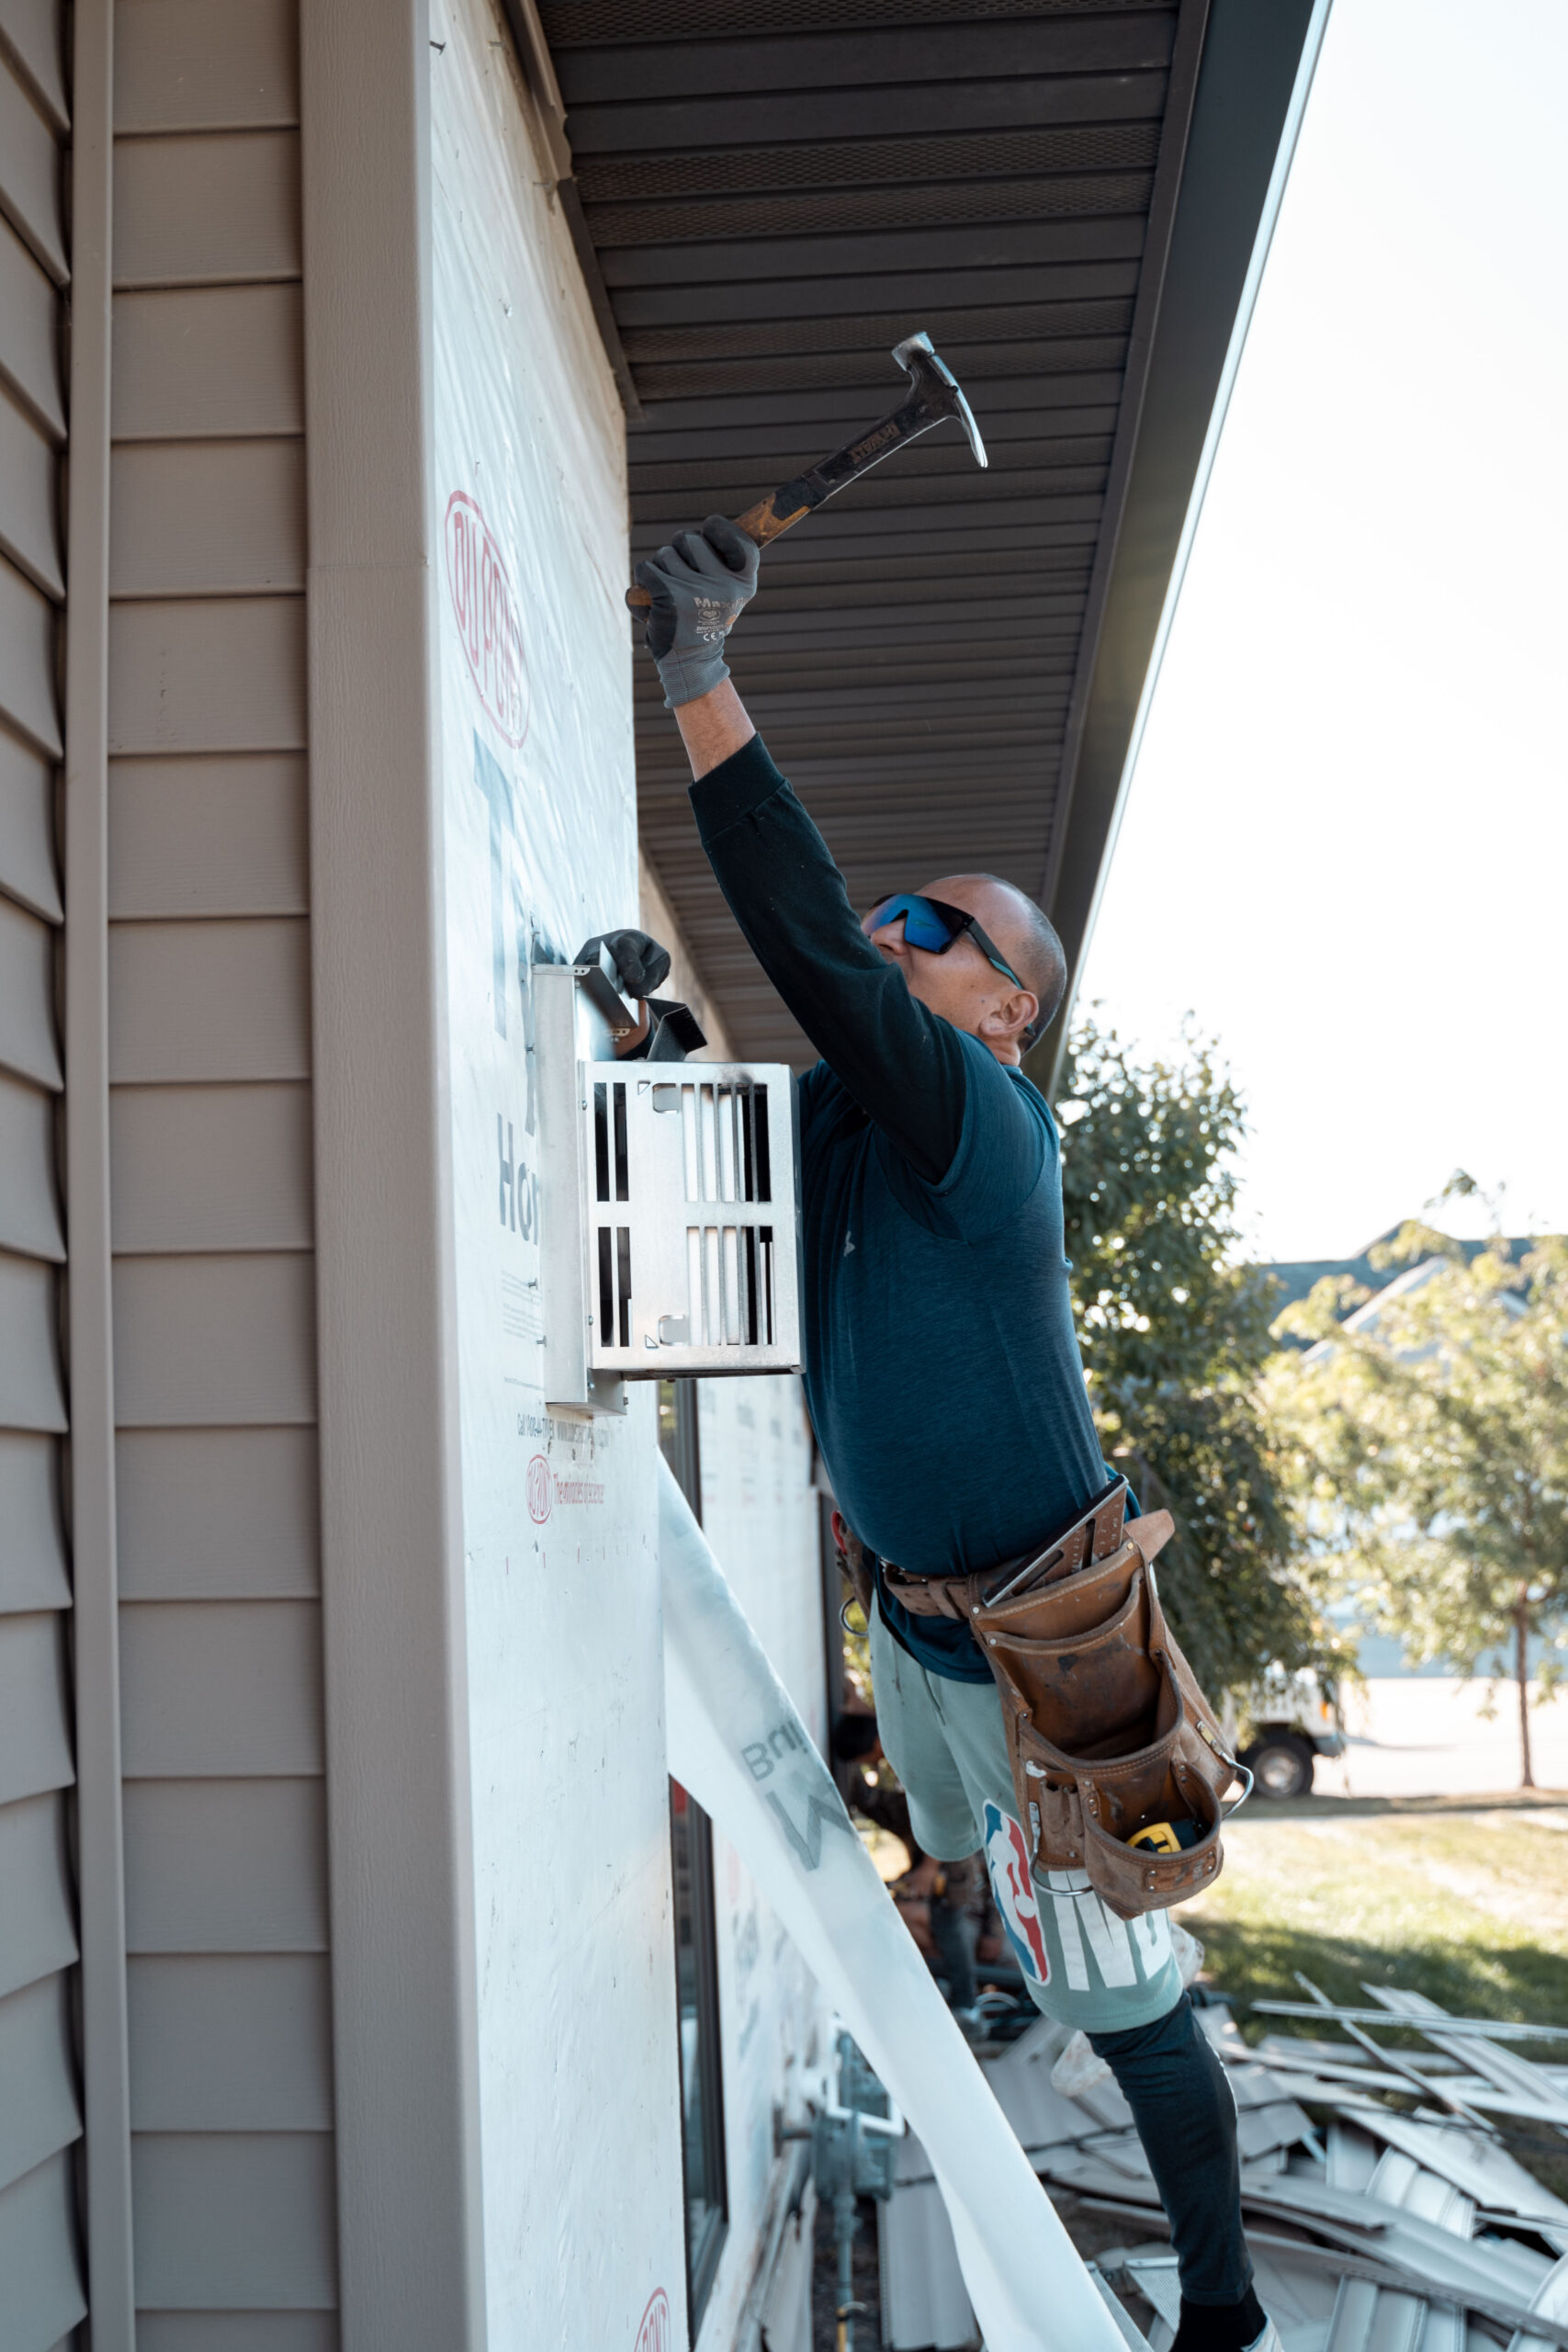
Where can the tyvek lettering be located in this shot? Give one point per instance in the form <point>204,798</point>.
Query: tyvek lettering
<point>519,1189</point>
<point>533,945</point>
<point>496,787</point>
<point>758,1763</point>
<point>819,1812</point>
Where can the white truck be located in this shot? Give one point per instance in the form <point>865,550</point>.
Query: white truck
<point>1283,1724</point>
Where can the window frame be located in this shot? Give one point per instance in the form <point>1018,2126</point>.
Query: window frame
<point>678,1442</point>
<point>706,2242</point>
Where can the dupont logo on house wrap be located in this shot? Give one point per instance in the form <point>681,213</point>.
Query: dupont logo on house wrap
<point>486,611</point>
<point>1007,1858</point>
<point>541,1490</point>
<point>656,2334</point>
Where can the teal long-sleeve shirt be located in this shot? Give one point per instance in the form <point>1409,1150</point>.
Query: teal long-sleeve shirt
<point>942,1370</point>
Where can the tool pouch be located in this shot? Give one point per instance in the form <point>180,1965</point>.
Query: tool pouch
<point>1107,1729</point>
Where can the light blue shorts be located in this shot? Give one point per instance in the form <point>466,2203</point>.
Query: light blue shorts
<point>1083,1965</point>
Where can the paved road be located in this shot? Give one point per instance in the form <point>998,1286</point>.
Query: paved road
<point>1416,1736</point>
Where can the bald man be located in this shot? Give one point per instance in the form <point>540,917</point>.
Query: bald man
<point>942,1365</point>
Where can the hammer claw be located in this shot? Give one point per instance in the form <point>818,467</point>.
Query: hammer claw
<point>924,365</point>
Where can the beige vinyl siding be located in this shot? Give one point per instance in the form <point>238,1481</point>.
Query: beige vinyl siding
<point>29,511</point>
<point>217,363</point>
<point>32,1393</point>
<point>237,2331</point>
<point>29,340</point>
<point>35,1737</point>
<point>211,1161</point>
<point>196,1001</point>
<point>27,854</point>
<point>33,131</point>
<point>27,660</point>
<point>198,833</point>
<point>28,1047</point>
<point>216,516</point>
<point>29,1206</point>
<point>223,1866</point>
<point>207,1514</point>
<point>37,1933</point>
<point>38,2225</point>
<point>41,2296</point>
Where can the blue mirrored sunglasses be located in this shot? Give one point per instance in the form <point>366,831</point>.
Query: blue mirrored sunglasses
<point>933,925</point>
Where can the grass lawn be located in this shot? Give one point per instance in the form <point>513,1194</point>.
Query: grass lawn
<point>1467,1905</point>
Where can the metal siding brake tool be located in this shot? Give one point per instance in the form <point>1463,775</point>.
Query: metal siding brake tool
<point>935,397</point>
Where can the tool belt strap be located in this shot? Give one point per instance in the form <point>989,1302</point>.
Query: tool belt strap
<point>930,1595</point>
<point>921,1596</point>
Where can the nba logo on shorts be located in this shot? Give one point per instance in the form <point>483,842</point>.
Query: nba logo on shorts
<point>1007,1861</point>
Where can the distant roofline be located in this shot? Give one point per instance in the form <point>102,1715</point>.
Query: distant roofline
<point>1297,1276</point>
<point>1471,1249</point>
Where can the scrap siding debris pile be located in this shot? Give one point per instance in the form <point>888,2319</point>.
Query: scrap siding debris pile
<point>1400,2223</point>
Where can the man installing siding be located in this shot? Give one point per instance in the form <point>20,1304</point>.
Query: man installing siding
<point>941,1365</point>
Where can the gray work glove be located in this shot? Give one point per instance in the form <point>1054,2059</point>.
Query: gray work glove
<point>640,962</point>
<point>698,585</point>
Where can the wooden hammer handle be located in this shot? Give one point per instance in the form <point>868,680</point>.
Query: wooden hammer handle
<point>762,522</point>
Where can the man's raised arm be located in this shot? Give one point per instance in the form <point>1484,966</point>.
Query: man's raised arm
<point>903,1064</point>
<point>713,727</point>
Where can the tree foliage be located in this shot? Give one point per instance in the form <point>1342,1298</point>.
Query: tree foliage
<point>1431,1435</point>
<point>1175,1334</point>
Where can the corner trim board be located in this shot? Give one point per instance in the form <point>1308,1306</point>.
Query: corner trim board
<point>106,2159</point>
<point>410,2259</point>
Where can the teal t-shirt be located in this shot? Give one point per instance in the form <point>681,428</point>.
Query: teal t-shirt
<point>942,1370</point>
<point>941,1366</point>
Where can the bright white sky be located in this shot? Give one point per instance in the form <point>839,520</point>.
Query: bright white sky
<point>1345,849</point>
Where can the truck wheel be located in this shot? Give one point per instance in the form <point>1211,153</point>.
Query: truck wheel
<point>1282,1762</point>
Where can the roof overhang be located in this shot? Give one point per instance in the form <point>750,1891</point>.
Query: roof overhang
<point>949,665</point>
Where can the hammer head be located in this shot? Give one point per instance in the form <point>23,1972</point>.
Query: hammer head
<point>935,388</point>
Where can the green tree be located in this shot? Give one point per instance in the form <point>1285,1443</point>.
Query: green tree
<point>1175,1334</point>
<point>1432,1437</point>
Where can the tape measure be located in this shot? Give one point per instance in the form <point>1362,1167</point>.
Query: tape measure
<point>1165,1837</point>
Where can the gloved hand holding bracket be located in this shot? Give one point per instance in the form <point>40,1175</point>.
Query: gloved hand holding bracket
<point>641,964</point>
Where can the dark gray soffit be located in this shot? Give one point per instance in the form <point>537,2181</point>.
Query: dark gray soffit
<point>947,662</point>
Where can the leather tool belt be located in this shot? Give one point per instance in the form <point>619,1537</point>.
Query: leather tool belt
<point>1108,1734</point>
<point>929,1596</point>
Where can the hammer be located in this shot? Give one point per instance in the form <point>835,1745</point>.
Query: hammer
<point>934,395</point>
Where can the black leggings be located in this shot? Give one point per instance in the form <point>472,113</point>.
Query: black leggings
<point>1184,2109</point>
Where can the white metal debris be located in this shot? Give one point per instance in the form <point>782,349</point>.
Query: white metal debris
<point>1400,2222</point>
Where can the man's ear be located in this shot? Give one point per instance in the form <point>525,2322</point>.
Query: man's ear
<point>1011,1016</point>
